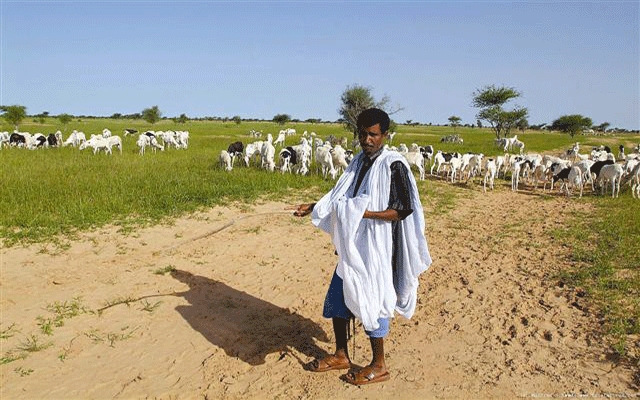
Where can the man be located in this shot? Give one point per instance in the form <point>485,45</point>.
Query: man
<point>375,218</point>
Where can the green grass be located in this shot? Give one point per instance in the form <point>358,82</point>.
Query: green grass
<point>607,256</point>
<point>49,195</point>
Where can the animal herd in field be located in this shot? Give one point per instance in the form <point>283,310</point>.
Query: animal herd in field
<point>572,171</point>
<point>103,142</point>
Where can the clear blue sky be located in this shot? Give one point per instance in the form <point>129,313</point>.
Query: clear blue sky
<point>259,59</point>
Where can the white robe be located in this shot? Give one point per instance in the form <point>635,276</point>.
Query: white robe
<point>364,245</point>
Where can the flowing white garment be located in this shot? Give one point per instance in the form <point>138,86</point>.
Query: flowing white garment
<point>365,245</point>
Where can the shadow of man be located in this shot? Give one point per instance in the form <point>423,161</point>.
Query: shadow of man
<point>243,325</point>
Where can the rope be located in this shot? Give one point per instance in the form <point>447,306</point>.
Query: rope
<point>223,227</point>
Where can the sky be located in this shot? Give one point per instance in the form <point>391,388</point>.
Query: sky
<point>257,59</point>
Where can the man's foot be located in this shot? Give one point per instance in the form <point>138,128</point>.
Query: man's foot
<point>366,375</point>
<point>328,363</point>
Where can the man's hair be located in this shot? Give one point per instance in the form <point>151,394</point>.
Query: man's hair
<point>372,116</point>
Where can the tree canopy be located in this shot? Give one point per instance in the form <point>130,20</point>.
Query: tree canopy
<point>354,100</point>
<point>454,121</point>
<point>281,119</point>
<point>65,118</point>
<point>151,115</point>
<point>14,114</point>
<point>490,101</point>
<point>572,124</point>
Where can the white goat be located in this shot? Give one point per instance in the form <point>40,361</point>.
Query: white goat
<point>611,173</point>
<point>225,160</point>
<point>489,174</point>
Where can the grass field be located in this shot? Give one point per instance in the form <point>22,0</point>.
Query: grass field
<point>51,194</point>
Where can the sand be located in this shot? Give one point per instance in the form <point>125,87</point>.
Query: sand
<point>241,311</point>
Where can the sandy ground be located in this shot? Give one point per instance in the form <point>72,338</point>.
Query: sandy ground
<point>241,312</point>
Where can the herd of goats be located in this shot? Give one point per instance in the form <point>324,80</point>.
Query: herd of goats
<point>106,141</point>
<point>600,168</point>
<point>573,171</point>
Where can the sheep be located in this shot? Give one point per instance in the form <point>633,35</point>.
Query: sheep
<point>325,160</point>
<point>115,141</point>
<point>415,158</point>
<point>98,143</point>
<point>621,155</point>
<point>574,179</point>
<point>490,174</point>
<point>251,151</point>
<point>634,182</point>
<point>339,158</point>
<point>611,173</point>
<point>267,154</point>
<point>280,140</point>
<point>75,139</point>
<point>143,142</point>
<point>4,139</point>
<point>182,137</point>
<point>225,160</point>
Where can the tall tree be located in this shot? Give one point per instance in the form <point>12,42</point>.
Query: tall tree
<point>237,119</point>
<point>454,121</point>
<point>281,119</point>
<point>151,115</point>
<point>354,100</point>
<point>490,101</point>
<point>14,114</point>
<point>571,124</point>
<point>65,118</point>
<point>182,119</point>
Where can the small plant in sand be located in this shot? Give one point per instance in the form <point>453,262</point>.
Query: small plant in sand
<point>147,306</point>
<point>60,311</point>
<point>32,344</point>
<point>165,270</point>
<point>8,332</point>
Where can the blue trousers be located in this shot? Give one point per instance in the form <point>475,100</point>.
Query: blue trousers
<point>335,307</point>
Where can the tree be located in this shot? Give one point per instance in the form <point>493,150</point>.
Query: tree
<point>182,119</point>
<point>65,118</point>
<point>603,127</point>
<point>281,119</point>
<point>490,100</point>
<point>356,99</point>
<point>454,121</point>
<point>151,115</point>
<point>14,114</point>
<point>571,124</point>
<point>237,119</point>
<point>522,124</point>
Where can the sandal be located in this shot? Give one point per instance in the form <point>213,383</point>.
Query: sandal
<point>360,378</point>
<point>328,363</point>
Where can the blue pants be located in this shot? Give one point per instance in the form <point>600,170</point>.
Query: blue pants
<point>335,307</point>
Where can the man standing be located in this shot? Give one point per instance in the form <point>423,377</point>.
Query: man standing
<point>376,222</point>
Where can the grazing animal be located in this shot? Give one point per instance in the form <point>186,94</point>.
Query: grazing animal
<point>129,131</point>
<point>611,173</point>
<point>225,160</point>
<point>489,174</point>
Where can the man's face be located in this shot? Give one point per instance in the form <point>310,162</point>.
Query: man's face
<point>371,139</point>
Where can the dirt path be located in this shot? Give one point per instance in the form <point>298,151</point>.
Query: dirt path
<point>242,311</point>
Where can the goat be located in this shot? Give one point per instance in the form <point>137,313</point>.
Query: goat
<point>611,173</point>
<point>634,181</point>
<point>490,174</point>
<point>225,160</point>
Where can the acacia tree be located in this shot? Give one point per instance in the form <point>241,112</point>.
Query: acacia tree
<point>65,119</point>
<point>454,121</point>
<point>237,119</point>
<point>281,119</point>
<point>356,99</point>
<point>571,124</point>
<point>14,114</point>
<point>151,115</point>
<point>490,100</point>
